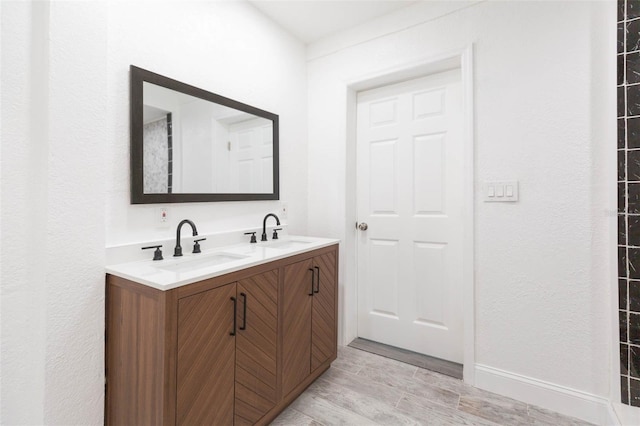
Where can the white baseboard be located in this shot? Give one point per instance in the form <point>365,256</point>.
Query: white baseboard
<point>571,402</point>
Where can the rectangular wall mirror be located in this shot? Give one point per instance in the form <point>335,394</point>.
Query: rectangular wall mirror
<point>191,145</point>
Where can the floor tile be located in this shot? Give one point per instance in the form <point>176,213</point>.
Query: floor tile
<point>364,386</point>
<point>368,407</point>
<point>541,416</point>
<point>291,416</point>
<point>440,380</point>
<point>365,389</point>
<point>431,413</point>
<point>366,358</point>
<point>347,361</point>
<point>327,412</point>
<point>408,384</point>
<point>495,410</point>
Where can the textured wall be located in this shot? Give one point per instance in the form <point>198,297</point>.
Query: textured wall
<point>53,175</point>
<point>23,286</point>
<point>541,284</point>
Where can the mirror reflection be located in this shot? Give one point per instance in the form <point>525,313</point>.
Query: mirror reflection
<point>191,145</point>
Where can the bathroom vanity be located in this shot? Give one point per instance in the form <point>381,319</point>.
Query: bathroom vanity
<point>228,336</point>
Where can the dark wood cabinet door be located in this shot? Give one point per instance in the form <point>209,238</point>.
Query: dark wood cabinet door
<point>256,345</point>
<point>206,358</point>
<point>296,324</point>
<point>323,317</point>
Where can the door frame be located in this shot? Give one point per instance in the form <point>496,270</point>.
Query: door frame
<point>462,59</point>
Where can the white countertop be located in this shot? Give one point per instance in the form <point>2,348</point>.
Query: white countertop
<point>173,272</point>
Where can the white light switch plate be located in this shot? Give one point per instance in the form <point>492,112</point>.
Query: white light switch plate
<point>500,191</point>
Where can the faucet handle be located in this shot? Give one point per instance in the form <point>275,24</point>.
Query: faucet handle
<point>275,233</point>
<point>196,245</point>
<point>253,237</point>
<point>157,254</point>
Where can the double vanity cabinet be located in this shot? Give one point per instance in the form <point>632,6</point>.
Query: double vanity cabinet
<point>233,348</point>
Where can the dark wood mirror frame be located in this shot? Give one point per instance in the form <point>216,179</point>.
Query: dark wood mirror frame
<point>137,77</point>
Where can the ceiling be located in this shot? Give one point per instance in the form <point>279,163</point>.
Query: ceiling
<point>311,20</point>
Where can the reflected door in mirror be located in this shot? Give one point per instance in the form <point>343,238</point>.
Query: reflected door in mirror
<point>211,148</point>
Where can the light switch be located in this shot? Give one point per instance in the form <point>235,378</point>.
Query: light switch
<point>501,191</point>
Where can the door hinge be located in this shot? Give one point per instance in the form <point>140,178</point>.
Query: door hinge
<point>228,146</point>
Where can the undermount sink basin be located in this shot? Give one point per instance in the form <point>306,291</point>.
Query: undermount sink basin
<point>202,262</point>
<point>287,244</point>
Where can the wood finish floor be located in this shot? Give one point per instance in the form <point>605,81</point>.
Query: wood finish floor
<point>408,357</point>
<point>361,388</point>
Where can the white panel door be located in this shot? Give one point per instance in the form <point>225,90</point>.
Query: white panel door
<point>252,156</point>
<point>410,193</point>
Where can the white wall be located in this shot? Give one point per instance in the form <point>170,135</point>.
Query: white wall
<point>53,180</point>
<point>65,170</point>
<point>23,287</point>
<point>542,307</point>
<point>228,48</point>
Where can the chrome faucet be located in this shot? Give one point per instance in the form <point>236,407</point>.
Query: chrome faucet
<point>264,225</point>
<point>178,249</point>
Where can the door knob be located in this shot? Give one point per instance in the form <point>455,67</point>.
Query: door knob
<point>363,226</point>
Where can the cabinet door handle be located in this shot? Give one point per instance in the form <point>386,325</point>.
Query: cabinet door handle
<point>313,276</point>
<point>235,311</point>
<point>317,290</point>
<point>244,312</point>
